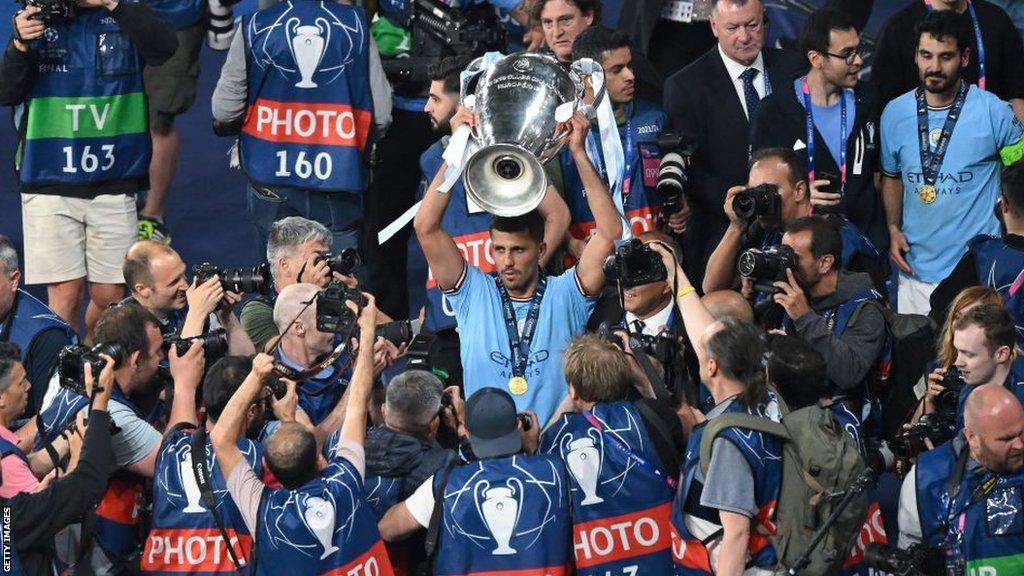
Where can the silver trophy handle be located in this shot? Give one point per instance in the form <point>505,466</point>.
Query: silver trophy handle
<point>587,67</point>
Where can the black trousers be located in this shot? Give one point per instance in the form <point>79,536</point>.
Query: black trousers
<point>396,175</point>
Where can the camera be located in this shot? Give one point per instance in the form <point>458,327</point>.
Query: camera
<point>255,280</point>
<point>948,400</point>
<point>398,332</point>
<point>934,427</point>
<point>215,343</point>
<point>72,360</point>
<point>898,562</point>
<point>663,346</point>
<point>344,262</point>
<point>277,387</point>
<point>762,201</point>
<point>765,267</point>
<point>53,11</point>
<point>635,264</point>
<point>332,315</point>
<point>672,181</point>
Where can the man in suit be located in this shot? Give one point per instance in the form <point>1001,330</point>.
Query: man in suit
<point>710,102</point>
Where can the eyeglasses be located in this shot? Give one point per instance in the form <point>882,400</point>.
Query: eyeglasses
<point>850,56</point>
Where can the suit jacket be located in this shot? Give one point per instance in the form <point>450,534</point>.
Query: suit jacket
<point>703,105</point>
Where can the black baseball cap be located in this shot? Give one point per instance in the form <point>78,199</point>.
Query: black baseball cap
<point>492,423</point>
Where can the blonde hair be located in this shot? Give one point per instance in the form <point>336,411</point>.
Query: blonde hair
<point>597,369</point>
<point>945,352</point>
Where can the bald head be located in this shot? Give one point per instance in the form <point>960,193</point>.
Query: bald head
<point>291,455</point>
<point>139,259</point>
<point>291,301</point>
<point>723,303</point>
<point>994,428</point>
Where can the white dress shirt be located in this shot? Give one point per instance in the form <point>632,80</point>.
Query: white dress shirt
<point>652,326</point>
<point>735,69</point>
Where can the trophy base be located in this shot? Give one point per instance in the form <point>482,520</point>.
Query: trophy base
<point>504,551</point>
<point>328,551</point>
<point>306,84</point>
<point>194,509</point>
<point>591,500</point>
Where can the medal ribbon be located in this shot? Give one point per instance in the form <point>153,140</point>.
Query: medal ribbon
<point>520,344</point>
<point>931,162</point>
<point>843,135</point>
<point>977,37</point>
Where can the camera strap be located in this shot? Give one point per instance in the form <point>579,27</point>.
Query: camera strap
<point>953,487</point>
<point>931,162</point>
<point>520,343</point>
<point>843,134</point>
<point>197,448</point>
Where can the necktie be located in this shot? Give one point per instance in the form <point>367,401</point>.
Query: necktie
<point>638,326</point>
<point>749,92</point>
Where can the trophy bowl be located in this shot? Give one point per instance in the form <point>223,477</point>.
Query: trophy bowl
<point>517,129</point>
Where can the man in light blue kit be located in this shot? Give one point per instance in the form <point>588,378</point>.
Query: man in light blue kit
<point>937,198</point>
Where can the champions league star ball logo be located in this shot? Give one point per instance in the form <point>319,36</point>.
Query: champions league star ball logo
<point>319,49</point>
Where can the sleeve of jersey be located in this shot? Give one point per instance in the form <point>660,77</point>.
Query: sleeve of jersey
<point>909,517</point>
<point>889,161</point>
<point>466,290</point>
<point>1008,131</point>
<point>421,503</point>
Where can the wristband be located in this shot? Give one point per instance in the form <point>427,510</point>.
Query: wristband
<point>683,292</point>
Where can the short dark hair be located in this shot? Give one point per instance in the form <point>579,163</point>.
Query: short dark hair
<point>291,455</point>
<point>449,69</point>
<point>796,164</point>
<point>825,237</point>
<point>221,381</point>
<point>1013,187</point>
<point>797,370</point>
<point>10,354</point>
<point>738,348</point>
<point>585,6</point>
<point>996,322</point>
<point>942,24</point>
<point>596,41</point>
<point>817,31</point>
<point>125,325</point>
<point>531,223</point>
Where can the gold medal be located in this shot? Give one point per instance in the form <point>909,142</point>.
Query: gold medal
<point>517,385</point>
<point>927,193</point>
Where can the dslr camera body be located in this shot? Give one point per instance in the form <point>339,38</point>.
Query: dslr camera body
<point>345,262</point>
<point>635,264</point>
<point>72,360</point>
<point>53,11</point>
<point>332,315</point>
<point>255,280</point>
<point>765,267</point>
<point>763,201</point>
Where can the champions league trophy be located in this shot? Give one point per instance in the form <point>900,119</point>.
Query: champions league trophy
<point>500,511</point>
<point>188,481</point>
<point>519,101</point>
<point>584,462</point>
<point>319,518</point>
<point>307,44</point>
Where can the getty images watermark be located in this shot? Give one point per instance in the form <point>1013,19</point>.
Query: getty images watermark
<point>6,552</point>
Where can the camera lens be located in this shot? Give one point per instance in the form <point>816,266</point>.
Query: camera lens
<point>743,205</point>
<point>246,280</point>
<point>748,263</point>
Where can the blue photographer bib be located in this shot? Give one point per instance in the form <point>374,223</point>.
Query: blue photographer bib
<point>85,118</point>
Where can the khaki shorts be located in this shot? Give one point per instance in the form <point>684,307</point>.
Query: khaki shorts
<point>71,238</point>
<point>171,86</point>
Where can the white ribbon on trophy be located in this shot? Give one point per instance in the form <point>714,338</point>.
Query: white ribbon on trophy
<point>319,518</point>
<point>584,460</point>
<point>188,481</point>
<point>307,45</point>
<point>500,510</point>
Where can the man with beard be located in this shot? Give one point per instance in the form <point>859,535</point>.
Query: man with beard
<point>155,275</point>
<point>940,184</point>
<point>514,327</point>
<point>964,497</point>
<point>830,119</point>
<point>466,223</point>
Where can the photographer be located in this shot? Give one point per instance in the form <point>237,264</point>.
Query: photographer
<point>962,500</point>
<point>634,485</point>
<point>27,322</point>
<point>318,520</point>
<point>993,261</point>
<point>296,250</point>
<point>84,144</point>
<point>37,517</point>
<point>155,275</point>
<point>639,124</point>
<point>777,193</point>
<point>536,540</point>
<point>984,339</point>
<point>467,227</point>
<point>835,311</point>
<point>181,506</point>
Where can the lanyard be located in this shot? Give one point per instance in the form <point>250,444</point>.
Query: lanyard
<point>954,536</point>
<point>520,344</point>
<point>931,162</point>
<point>810,135</point>
<point>629,454</point>
<point>596,156</point>
<point>977,38</point>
